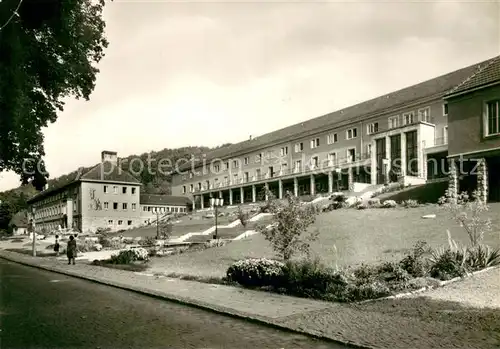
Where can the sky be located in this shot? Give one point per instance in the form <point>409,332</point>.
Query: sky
<point>204,73</point>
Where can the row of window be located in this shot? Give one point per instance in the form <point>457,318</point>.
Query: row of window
<point>493,118</point>
<point>163,209</point>
<point>408,118</point>
<point>124,190</point>
<point>124,206</point>
<point>53,211</point>
<point>332,159</point>
<point>119,222</point>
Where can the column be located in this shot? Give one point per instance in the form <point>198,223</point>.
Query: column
<point>482,180</point>
<point>230,197</point>
<point>266,188</point>
<point>202,204</point>
<point>403,154</point>
<point>453,180</point>
<point>280,188</point>
<point>194,202</point>
<point>242,196</point>
<point>330,181</point>
<point>295,186</point>
<point>254,193</point>
<point>420,155</point>
<point>350,178</point>
<point>313,185</point>
<point>220,194</point>
<point>373,163</point>
<point>69,213</point>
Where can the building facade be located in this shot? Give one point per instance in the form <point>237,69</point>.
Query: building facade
<point>156,206</point>
<point>401,136</point>
<point>474,129</point>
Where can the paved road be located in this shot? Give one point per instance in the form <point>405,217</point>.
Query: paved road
<point>39,309</point>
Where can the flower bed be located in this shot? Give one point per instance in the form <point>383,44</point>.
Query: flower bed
<point>421,268</point>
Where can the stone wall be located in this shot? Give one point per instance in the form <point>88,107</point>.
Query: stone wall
<point>453,180</point>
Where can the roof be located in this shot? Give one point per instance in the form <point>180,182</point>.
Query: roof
<point>150,199</point>
<point>437,87</point>
<point>105,172</point>
<point>488,73</point>
<point>19,220</point>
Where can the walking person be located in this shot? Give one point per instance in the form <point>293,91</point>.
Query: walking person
<point>71,250</point>
<point>57,246</point>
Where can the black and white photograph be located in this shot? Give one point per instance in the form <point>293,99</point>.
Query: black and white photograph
<point>276,174</point>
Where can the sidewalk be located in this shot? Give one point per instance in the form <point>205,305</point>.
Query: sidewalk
<point>414,322</point>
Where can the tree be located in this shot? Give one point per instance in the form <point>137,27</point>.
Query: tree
<point>5,216</point>
<point>290,224</point>
<point>48,52</point>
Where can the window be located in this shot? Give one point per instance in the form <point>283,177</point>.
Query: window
<point>314,162</point>
<point>258,157</point>
<point>246,176</point>
<point>351,155</point>
<point>183,189</point>
<point>299,147</point>
<point>445,109</point>
<point>120,222</point>
<point>106,205</point>
<point>424,114</point>
<point>199,185</point>
<point>351,133</point>
<point>408,118</point>
<point>445,135</point>
<point>110,221</point>
<point>191,188</point>
<point>124,190</point>
<point>134,206</point>
<point>258,173</point>
<point>115,206</point>
<point>235,178</point>
<point>314,143</point>
<point>372,128</point>
<point>235,163</point>
<point>368,149</point>
<point>191,175</point>
<point>332,138</point>
<point>284,151</point>
<point>394,121</point>
<point>332,159</point>
<point>247,160</point>
<point>115,189</point>
<point>216,168</point>
<point>411,154</point>
<point>124,206</point>
<point>129,222</point>
<point>105,189</point>
<point>133,191</point>
<point>298,165</point>
<point>493,118</point>
<point>284,168</point>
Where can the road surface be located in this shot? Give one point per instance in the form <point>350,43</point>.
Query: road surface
<point>40,309</point>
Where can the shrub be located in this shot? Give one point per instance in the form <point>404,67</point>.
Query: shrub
<point>366,291</point>
<point>481,257</point>
<point>85,246</point>
<point>374,202</point>
<point>310,278</point>
<point>129,256</point>
<point>415,262</point>
<point>410,203</point>
<point>468,212</point>
<point>389,204</point>
<point>243,216</point>
<point>256,272</point>
<point>148,241</point>
<point>448,263</point>
<point>291,221</point>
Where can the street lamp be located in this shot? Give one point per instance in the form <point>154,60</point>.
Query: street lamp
<point>216,203</point>
<point>33,211</point>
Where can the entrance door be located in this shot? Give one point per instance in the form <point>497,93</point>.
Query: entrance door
<point>494,179</point>
<point>380,156</point>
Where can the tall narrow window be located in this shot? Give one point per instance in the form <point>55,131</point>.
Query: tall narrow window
<point>411,153</point>
<point>493,118</point>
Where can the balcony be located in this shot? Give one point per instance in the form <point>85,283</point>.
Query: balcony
<point>439,144</point>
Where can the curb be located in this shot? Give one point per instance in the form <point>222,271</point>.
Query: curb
<point>260,320</point>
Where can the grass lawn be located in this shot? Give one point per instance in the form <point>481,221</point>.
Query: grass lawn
<point>361,236</point>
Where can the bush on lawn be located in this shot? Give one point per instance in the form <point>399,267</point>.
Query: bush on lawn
<point>389,204</point>
<point>410,203</point>
<point>129,256</point>
<point>256,272</point>
<point>415,262</point>
<point>243,216</point>
<point>148,241</point>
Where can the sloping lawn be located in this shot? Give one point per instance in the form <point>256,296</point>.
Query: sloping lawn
<point>361,236</point>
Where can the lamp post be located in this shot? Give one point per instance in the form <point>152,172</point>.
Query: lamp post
<point>157,225</point>
<point>216,203</point>
<point>33,211</point>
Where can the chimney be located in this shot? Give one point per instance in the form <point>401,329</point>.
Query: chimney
<point>109,156</point>
<point>250,137</point>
